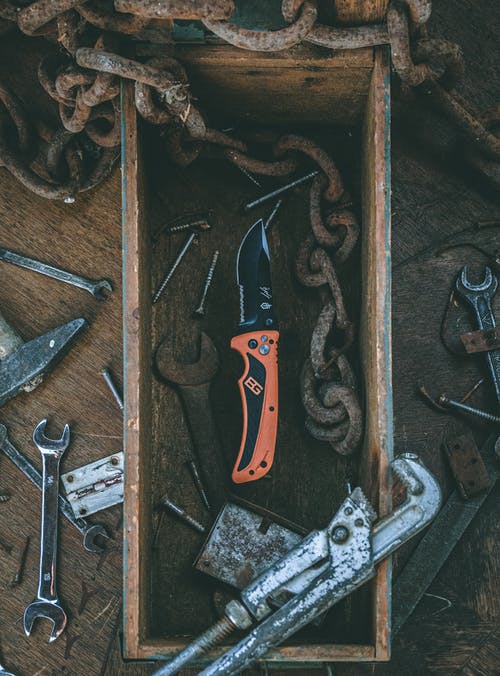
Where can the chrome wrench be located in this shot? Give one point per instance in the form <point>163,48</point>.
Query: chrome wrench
<point>46,604</point>
<point>479,296</point>
<point>93,286</point>
<point>89,531</point>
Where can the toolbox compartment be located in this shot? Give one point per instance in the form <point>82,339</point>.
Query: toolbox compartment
<point>343,100</point>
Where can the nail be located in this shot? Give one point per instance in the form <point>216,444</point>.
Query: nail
<point>18,576</point>
<point>112,387</point>
<point>279,191</point>
<point>198,483</point>
<point>272,215</point>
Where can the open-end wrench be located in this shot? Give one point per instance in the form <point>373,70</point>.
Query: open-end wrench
<point>193,381</point>
<point>479,296</point>
<point>46,604</point>
<point>93,286</point>
<point>89,532</point>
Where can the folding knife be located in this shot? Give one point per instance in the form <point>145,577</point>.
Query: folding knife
<point>258,345</point>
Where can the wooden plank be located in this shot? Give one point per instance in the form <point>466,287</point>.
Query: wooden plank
<point>304,82</point>
<point>137,360</point>
<point>376,323</point>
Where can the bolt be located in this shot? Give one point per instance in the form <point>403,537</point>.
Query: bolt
<point>359,522</point>
<point>459,406</point>
<point>279,191</point>
<point>198,483</point>
<point>183,515</point>
<point>173,267</point>
<point>340,534</point>
<point>200,310</point>
<point>112,387</point>
<point>236,616</point>
<point>348,511</point>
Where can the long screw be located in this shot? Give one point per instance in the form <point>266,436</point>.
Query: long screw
<point>200,310</point>
<point>198,483</point>
<point>173,267</point>
<point>279,191</point>
<point>112,388</point>
<point>183,515</point>
<point>459,406</point>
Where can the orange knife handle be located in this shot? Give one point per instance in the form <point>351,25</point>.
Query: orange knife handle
<point>259,396</point>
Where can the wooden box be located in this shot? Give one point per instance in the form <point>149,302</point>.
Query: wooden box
<point>343,99</point>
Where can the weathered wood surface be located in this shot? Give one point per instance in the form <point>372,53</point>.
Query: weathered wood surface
<point>431,201</point>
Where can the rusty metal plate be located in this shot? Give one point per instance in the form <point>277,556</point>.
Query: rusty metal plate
<point>467,466</point>
<point>481,341</point>
<point>244,541</point>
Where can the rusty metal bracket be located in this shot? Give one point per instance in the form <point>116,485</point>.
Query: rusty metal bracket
<point>482,340</point>
<point>467,466</point>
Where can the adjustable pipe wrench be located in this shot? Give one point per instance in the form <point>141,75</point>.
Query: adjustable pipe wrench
<point>322,569</point>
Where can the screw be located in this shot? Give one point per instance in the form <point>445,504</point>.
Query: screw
<point>340,534</point>
<point>183,515</point>
<point>196,222</point>
<point>112,387</point>
<point>200,310</point>
<point>272,215</point>
<point>284,188</point>
<point>459,406</point>
<point>173,267</point>
<point>198,483</point>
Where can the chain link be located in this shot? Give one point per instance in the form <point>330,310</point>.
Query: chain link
<point>89,104</point>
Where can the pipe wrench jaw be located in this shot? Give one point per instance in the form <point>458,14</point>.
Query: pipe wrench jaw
<point>325,567</point>
<point>423,501</point>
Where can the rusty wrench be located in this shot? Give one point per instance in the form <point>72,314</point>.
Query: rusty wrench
<point>193,381</point>
<point>47,604</point>
<point>479,296</point>
<point>93,286</point>
<point>89,532</point>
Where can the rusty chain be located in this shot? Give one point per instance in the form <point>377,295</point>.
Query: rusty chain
<point>88,104</point>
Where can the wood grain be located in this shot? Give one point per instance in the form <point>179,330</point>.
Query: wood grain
<point>182,603</point>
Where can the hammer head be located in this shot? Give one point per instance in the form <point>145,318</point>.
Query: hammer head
<point>34,358</point>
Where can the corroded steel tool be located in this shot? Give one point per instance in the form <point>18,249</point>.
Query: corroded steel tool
<point>47,605</point>
<point>257,343</point>
<point>193,382</point>
<point>23,364</point>
<point>326,566</point>
<point>93,286</point>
